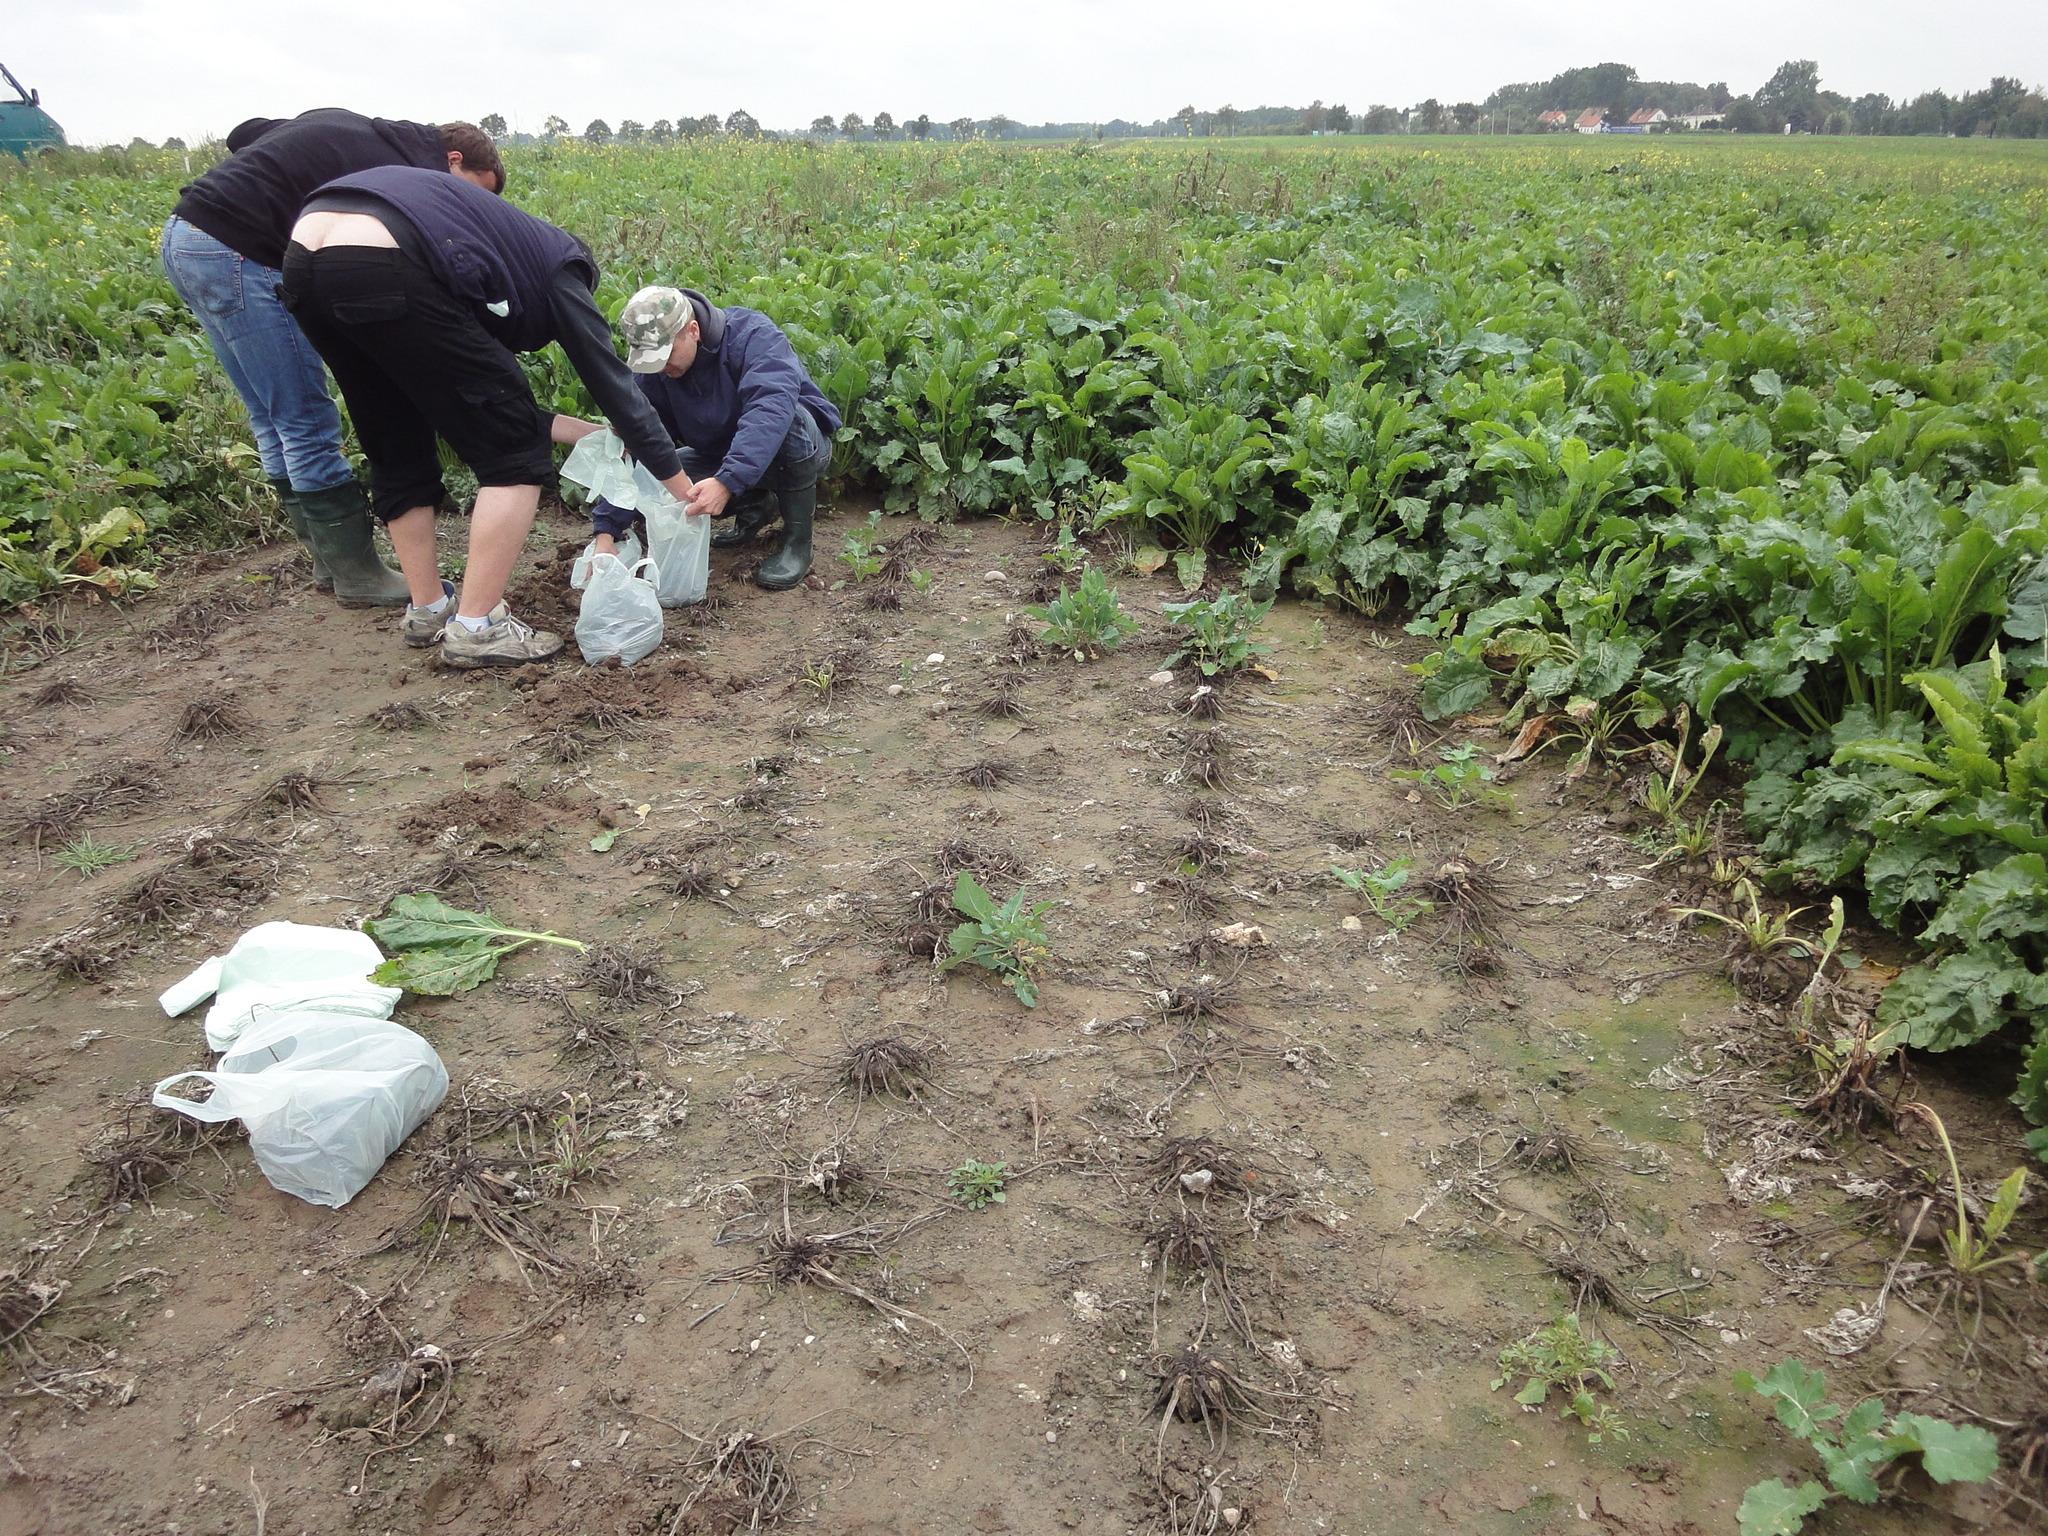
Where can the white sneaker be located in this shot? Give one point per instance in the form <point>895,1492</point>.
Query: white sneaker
<point>503,642</point>
<point>422,626</point>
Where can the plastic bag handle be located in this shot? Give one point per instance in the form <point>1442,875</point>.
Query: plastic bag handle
<point>210,1111</point>
<point>647,563</point>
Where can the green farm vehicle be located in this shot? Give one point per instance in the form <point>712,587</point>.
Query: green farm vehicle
<point>24,125</point>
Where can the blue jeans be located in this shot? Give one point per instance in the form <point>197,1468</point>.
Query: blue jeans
<point>268,359</point>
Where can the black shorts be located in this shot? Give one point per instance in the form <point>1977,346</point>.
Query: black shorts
<point>414,363</point>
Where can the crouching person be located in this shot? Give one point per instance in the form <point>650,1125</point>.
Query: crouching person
<point>418,290</point>
<point>755,430</point>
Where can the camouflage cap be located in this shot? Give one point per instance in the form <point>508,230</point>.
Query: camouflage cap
<point>651,320</point>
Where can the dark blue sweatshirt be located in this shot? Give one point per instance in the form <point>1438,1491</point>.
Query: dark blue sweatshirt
<point>250,201</point>
<point>736,403</point>
<point>529,283</point>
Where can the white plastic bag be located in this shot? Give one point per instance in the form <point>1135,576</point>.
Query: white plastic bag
<point>327,1097</point>
<point>285,965</point>
<point>679,544</point>
<point>598,463</point>
<point>621,612</point>
<point>629,551</point>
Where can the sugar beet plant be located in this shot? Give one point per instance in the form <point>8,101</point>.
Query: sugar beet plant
<point>1086,621</point>
<point>1007,939</point>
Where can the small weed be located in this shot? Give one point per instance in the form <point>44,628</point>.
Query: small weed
<point>978,1185</point>
<point>857,550</point>
<point>1064,554</point>
<point>86,856</point>
<point>1756,931</point>
<point>1973,1252</point>
<point>921,580</point>
<point>1379,888</point>
<point>1456,782</point>
<point>819,676</point>
<point>1218,632</point>
<point>1854,1446</point>
<point>1008,939</point>
<point>1087,622</point>
<point>1692,839</point>
<point>1563,1357</point>
<point>1667,796</point>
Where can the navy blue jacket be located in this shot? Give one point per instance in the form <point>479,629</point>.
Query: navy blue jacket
<point>497,256</point>
<point>736,403</point>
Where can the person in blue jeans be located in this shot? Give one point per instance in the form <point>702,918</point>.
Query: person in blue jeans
<point>223,249</point>
<point>754,428</point>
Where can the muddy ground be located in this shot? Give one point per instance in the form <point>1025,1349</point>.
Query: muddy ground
<point>695,1189</point>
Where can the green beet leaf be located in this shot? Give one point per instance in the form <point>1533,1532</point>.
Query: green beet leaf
<point>1951,1453</point>
<point>442,970</point>
<point>418,920</point>
<point>1776,1508</point>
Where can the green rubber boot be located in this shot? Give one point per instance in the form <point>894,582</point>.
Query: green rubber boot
<point>791,562</point>
<point>338,532</point>
<point>748,518</point>
<point>288,498</point>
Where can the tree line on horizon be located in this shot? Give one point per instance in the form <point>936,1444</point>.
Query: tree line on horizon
<point>1792,100</point>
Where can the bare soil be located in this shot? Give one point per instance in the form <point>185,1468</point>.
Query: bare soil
<point>678,1254</point>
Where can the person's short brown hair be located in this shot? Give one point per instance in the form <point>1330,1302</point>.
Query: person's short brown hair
<point>478,149</point>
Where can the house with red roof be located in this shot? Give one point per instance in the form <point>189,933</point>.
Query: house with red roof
<point>1592,120</point>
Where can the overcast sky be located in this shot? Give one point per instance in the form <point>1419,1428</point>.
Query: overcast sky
<point>112,69</point>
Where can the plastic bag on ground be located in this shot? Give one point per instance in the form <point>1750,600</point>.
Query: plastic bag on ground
<point>679,544</point>
<point>326,1097</point>
<point>598,463</point>
<point>621,612</point>
<point>629,551</point>
<point>284,965</point>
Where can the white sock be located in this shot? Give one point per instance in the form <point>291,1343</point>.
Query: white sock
<point>474,626</point>
<point>447,601</point>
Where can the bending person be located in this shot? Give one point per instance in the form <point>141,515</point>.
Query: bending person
<point>222,249</point>
<point>419,290</point>
<point>755,430</point>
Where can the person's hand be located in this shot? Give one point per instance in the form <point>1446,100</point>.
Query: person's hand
<point>680,486</point>
<point>709,499</point>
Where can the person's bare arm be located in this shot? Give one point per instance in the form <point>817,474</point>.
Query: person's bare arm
<point>569,430</point>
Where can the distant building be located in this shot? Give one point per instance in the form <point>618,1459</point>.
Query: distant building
<point>1553,120</point>
<point>1592,120</point>
<point>1700,119</point>
<point>1646,117</point>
